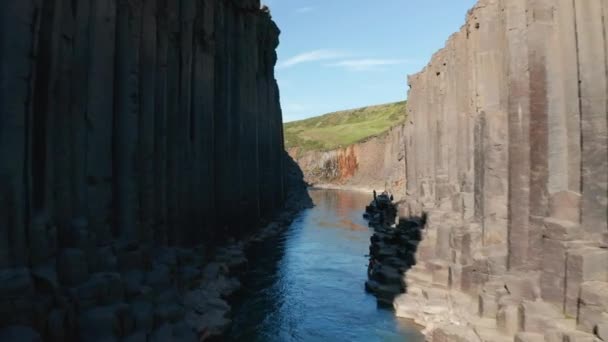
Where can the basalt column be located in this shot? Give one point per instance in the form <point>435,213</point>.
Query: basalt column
<point>507,154</point>
<point>128,127</point>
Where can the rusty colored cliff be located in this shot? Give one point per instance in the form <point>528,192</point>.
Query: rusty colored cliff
<point>377,162</point>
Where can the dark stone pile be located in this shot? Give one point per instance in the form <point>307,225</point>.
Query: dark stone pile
<point>392,249</point>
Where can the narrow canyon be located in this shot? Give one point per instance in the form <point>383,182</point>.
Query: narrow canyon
<point>149,191</point>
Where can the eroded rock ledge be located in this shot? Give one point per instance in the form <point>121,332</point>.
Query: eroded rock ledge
<point>507,152</point>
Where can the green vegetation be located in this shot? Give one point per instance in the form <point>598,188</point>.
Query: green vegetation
<point>343,128</point>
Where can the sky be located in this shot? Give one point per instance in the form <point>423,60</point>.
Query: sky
<point>343,54</point>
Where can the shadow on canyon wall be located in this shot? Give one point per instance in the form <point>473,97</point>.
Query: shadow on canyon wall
<point>392,253</point>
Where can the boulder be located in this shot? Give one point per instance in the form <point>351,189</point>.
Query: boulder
<point>19,333</point>
<point>59,325</point>
<point>131,258</point>
<point>523,286</point>
<point>133,281</point>
<point>183,332</point>
<point>583,264</point>
<point>441,274</point>
<point>72,267</point>
<point>601,329</point>
<point>168,313</point>
<point>15,282</point>
<point>488,307</point>
<point>99,324</point>
<point>579,336</point>
<point>209,324</point>
<point>592,306</point>
<point>604,240</point>
<point>565,205</point>
<point>101,289</point>
<point>162,334</point>
<point>126,320</point>
<point>159,277</point>
<point>45,279</point>
<point>407,305</point>
<point>143,313</point>
<point>553,274</point>
<point>508,319</point>
<point>537,316</point>
<point>166,256</point>
<point>454,333</point>
<point>103,259</point>
<point>139,336</point>
<point>189,276</point>
<point>43,239</point>
<point>529,337</point>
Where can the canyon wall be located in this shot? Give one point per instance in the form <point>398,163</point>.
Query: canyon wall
<point>506,150</point>
<point>126,125</point>
<point>376,163</point>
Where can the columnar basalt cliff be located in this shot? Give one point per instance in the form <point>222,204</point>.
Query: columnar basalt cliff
<point>506,150</point>
<point>129,128</point>
<point>375,163</point>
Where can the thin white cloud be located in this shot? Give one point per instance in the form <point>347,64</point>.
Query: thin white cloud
<point>294,107</point>
<point>305,9</point>
<point>368,63</point>
<point>311,56</point>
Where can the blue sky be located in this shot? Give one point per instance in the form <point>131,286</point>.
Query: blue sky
<point>342,54</point>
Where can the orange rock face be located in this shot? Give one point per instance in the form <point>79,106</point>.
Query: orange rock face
<point>347,163</point>
<point>376,163</point>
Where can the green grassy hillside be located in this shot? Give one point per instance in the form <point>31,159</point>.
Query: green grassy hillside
<point>343,128</point>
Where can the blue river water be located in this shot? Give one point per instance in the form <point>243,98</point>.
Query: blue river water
<point>308,283</point>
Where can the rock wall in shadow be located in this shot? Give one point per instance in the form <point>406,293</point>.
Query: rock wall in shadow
<point>127,126</point>
<point>149,121</point>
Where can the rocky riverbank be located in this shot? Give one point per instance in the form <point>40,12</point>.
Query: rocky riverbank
<point>157,294</point>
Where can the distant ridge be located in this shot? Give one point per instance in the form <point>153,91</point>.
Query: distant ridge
<point>343,128</point>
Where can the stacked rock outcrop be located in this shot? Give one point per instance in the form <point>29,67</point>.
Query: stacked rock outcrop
<point>507,152</point>
<point>134,135</point>
<point>391,252</point>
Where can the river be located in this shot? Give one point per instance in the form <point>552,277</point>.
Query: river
<point>308,283</point>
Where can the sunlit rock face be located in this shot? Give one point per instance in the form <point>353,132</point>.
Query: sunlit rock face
<point>506,150</point>
<point>126,126</point>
